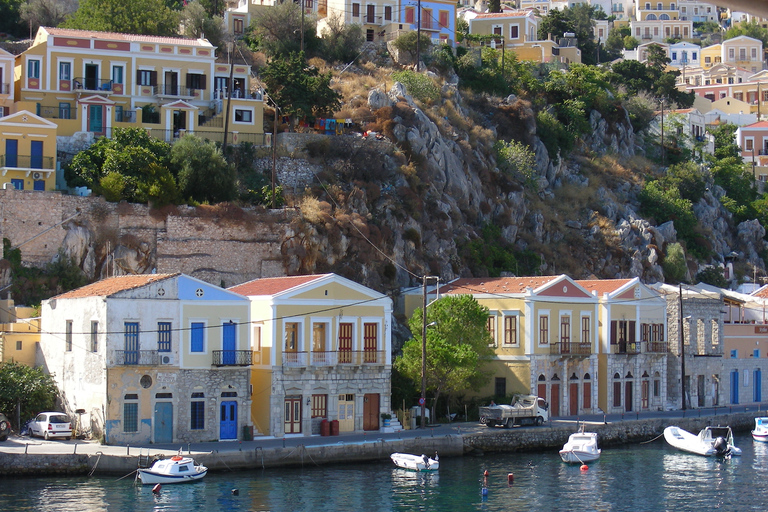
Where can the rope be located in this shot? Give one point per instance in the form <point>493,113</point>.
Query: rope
<point>223,461</point>
<point>126,476</point>
<point>652,440</point>
<point>97,463</point>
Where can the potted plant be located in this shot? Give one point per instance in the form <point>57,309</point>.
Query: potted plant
<point>386,418</point>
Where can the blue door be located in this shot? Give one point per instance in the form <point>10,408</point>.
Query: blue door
<point>228,428</point>
<point>17,184</point>
<point>36,154</point>
<point>229,344</point>
<point>39,185</point>
<point>734,387</point>
<point>757,384</point>
<point>11,153</point>
<point>163,422</point>
<point>95,121</point>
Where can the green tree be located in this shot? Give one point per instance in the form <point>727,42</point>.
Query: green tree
<point>614,43</point>
<point>204,174</point>
<point>675,267</point>
<point>689,179</point>
<point>298,89</point>
<point>341,41</point>
<point>46,13</point>
<point>457,346</point>
<point>713,276</point>
<point>198,23</point>
<point>30,388</point>
<point>10,20</point>
<point>725,141</point>
<point>750,29</point>
<point>578,19</point>
<point>277,31</point>
<point>146,17</point>
<point>406,43</point>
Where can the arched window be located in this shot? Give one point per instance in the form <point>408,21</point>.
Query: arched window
<point>664,16</point>
<point>651,17</point>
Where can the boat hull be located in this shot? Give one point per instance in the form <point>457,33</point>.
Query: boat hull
<point>576,457</point>
<point>699,445</point>
<point>761,430</point>
<point>412,462</point>
<point>149,477</point>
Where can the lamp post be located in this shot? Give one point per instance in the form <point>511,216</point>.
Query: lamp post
<point>423,398</point>
<point>682,346</point>
<point>229,97</point>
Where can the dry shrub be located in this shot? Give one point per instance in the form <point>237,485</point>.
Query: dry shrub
<point>512,121</point>
<point>315,211</point>
<point>164,212</point>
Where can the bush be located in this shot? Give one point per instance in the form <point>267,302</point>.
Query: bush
<point>554,135</point>
<point>421,87</point>
<point>516,158</point>
<point>675,268</point>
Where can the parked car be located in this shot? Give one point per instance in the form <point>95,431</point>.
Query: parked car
<point>5,427</point>
<point>51,424</point>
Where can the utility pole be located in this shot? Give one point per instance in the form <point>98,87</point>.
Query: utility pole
<point>229,98</point>
<point>274,154</point>
<point>423,399</point>
<point>418,41</point>
<point>662,132</point>
<point>302,25</point>
<point>682,345</point>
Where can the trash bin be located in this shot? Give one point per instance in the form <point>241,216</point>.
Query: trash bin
<point>247,432</point>
<point>325,428</point>
<point>335,427</point>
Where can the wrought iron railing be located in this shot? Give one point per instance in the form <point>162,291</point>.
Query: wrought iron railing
<point>334,358</point>
<point>137,357</point>
<point>570,349</point>
<point>65,111</point>
<point>624,347</point>
<point>657,347</point>
<point>173,90</point>
<point>232,357</point>
<point>92,84</point>
<point>26,161</point>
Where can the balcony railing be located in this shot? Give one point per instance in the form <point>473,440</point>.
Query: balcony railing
<point>174,90</point>
<point>26,162</point>
<point>126,116</point>
<point>92,84</point>
<point>624,347</point>
<point>5,88</point>
<point>372,20</point>
<point>137,357</point>
<point>657,347</point>
<point>232,357</point>
<point>331,358</point>
<point>57,112</point>
<point>570,349</point>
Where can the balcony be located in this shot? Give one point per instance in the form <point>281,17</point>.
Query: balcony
<point>26,162</point>
<point>173,91</point>
<point>57,112</point>
<point>657,347</point>
<point>570,349</point>
<point>333,358</point>
<point>101,86</point>
<point>372,20</point>
<point>232,358</point>
<point>626,348</point>
<point>137,357</point>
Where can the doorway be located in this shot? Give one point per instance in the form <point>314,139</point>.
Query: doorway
<point>371,411</point>
<point>628,396</point>
<point>292,415</point>
<point>163,422</point>
<point>346,413</point>
<point>228,420</point>
<point>91,77</point>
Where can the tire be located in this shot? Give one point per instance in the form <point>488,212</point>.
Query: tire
<point>510,423</point>
<point>45,435</point>
<point>490,423</point>
<point>3,438</point>
<point>539,420</point>
<point>5,427</point>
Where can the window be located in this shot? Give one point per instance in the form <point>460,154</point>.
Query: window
<point>195,81</point>
<point>197,411</point>
<point>731,54</point>
<point>319,331</point>
<point>18,344</point>
<point>370,342</point>
<point>443,20</point>
<point>118,113</point>
<point>708,60</point>
<point>94,336</point>
<point>410,15</point>
<point>756,353</point>
<point>754,53</point>
<point>345,343</point>
<point>163,336</point>
<point>500,386</point>
<point>656,388</point>
<point>694,56</point>
<point>510,330</point>
<point>243,116</point>
<point>65,71</point>
<point>388,13</point>
<point>491,328</point>
<point>68,336</point>
<point>131,414</point>
<point>117,74</point>
<point>674,56</point>
<point>734,354</point>
<point>146,77</point>
<point>33,69</point>
<point>355,10</point>
<point>291,337</point>
<point>238,25</point>
<point>565,330</point>
<point>514,32</point>
<point>749,144</point>
<point>544,329</point>
<point>197,335</point>
<point>319,406</point>
<point>585,330</point>
<point>65,111</point>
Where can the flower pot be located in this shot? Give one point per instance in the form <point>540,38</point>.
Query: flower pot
<point>387,422</point>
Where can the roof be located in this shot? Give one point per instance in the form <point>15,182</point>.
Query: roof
<point>115,36</point>
<point>495,285</point>
<point>602,286</point>
<point>759,124</point>
<point>510,14</point>
<point>112,285</point>
<point>273,285</point>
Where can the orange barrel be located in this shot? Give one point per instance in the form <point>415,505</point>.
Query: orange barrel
<point>335,427</point>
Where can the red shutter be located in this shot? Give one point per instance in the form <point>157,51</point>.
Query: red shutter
<point>613,332</point>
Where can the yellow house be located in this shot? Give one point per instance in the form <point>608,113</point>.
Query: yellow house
<point>322,352</point>
<point>19,333</point>
<point>6,83</point>
<point>743,52</point>
<point>92,82</point>
<point>657,10</point>
<point>28,160</point>
<point>514,28</point>
<point>711,55</point>
<point>545,332</point>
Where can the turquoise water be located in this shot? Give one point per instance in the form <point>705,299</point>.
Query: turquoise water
<point>651,477</point>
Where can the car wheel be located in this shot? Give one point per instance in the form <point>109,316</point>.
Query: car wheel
<point>45,435</point>
<point>3,438</point>
<point>4,428</point>
<point>539,420</point>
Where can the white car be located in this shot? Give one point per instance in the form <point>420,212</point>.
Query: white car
<point>50,425</point>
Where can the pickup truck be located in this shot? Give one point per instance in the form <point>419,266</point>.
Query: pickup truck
<point>524,409</point>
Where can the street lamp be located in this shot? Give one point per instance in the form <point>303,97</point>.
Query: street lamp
<point>424,325</point>
<point>682,344</point>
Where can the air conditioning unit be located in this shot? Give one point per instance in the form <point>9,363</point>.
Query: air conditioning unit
<point>36,175</point>
<point>166,359</point>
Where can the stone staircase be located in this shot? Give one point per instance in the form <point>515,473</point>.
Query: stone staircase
<point>394,425</point>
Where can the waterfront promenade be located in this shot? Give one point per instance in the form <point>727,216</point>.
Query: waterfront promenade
<point>34,456</point>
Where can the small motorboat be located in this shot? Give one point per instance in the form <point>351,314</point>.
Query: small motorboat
<point>711,441</point>
<point>580,448</point>
<point>415,462</point>
<point>175,470</point>
<point>761,430</point>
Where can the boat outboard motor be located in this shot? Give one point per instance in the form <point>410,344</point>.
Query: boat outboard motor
<point>721,446</point>
<point>426,461</point>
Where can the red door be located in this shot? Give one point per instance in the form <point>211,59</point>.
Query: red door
<point>644,394</point>
<point>554,401</point>
<point>587,396</point>
<point>628,396</point>
<point>542,391</point>
<point>371,411</point>
<point>573,395</point>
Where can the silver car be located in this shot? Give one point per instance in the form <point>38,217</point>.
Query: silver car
<point>51,425</point>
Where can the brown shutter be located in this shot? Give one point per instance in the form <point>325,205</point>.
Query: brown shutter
<point>613,332</point>
<point>632,325</point>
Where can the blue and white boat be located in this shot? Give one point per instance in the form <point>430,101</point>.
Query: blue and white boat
<point>761,429</point>
<point>175,470</point>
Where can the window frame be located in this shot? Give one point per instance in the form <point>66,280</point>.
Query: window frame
<point>164,330</point>
<point>197,328</point>
<point>94,335</point>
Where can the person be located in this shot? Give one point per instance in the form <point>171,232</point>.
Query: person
<point>493,403</point>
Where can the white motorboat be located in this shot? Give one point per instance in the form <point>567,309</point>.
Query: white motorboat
<point>175,470</point>
<point>711,441</point>
<point>415,462</point>
<point>761,430</point>
<point>580,448</point>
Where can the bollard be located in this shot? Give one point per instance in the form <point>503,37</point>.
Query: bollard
<point>240,443</point>
<point>283,442</point>
<point>433,432</point>
<point>26,446</point>
<point>605,422</point>
<point>75,451</point>
<point>128,449</point>
<point>189,448</point>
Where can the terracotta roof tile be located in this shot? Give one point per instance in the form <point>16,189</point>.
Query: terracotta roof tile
<point>494,285</point>
<point>273,285</point>
<point>112,285</point>
<point>511,14</point>
<point>602,286</point>
<point>115,36</point>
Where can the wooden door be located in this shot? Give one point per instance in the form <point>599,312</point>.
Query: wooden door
<point>587,400</point>
<point>573,396</point>
<point>554,401</point>
<point>371,411</point>
<point>346,413</point>
<point>163,422</point>
<point>644,392</point>
<point>628,396</point>
<point>292,415</point>
<point>345,343</point>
